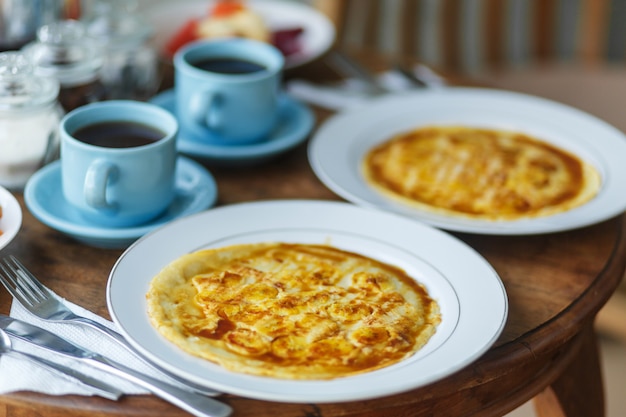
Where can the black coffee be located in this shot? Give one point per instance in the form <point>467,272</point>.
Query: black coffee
<point>228,66</point>
<point>118,134</point>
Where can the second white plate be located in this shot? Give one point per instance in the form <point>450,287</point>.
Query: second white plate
<point>466,287</point>
<point>317,37</point>
<point>339,145</point>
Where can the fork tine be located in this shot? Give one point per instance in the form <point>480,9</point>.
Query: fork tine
<point>9,282</point>
<point>28,279</point>
<point>27,292</point>
<point>6,278</point>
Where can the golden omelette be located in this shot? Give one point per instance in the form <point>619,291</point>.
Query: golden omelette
<point>291,311</point>
<point>479,173</point>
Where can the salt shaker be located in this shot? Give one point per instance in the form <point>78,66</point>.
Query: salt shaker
<point>63,51</point>
<point>29,120</point>
<point>130,69</point>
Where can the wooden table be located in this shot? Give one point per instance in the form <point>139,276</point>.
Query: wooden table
<point>556,284</point>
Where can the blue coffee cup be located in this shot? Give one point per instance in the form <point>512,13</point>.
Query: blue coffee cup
<point>227,90</point>
<point>118,161</point>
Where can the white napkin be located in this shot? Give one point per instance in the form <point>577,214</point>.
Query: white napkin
<point>353,92</point>
<point>21,375</point>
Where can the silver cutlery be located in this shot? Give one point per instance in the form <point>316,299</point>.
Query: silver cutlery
<point>410,76</point>
<point>350,68</point>
<point>337,97</point>
<point>101,388</point>
<point>42,302</point>
<point>198,405</point>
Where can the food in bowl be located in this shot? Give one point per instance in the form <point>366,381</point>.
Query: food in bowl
<point>480,173</point>
<point>291,311</point>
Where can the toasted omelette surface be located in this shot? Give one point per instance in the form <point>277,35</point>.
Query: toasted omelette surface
<point>479,173</point>
<point>291,311</point>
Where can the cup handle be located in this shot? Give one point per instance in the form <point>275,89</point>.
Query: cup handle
<point>99,173</point>
<point>206,109</point>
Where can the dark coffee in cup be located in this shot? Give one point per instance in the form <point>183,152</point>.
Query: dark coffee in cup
<point>228,66</point>
<point>228,90</point>
<point>118,134</point>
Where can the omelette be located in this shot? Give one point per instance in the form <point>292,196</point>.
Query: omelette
<point>291,311</point>
<point>480,173</point>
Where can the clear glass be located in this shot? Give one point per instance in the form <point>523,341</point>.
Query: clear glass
<point>130,69</point>
<point>29,120</point>
<point>19,20</point>
<point>63,51</point>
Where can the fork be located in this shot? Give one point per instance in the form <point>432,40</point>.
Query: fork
<point>42,302</point>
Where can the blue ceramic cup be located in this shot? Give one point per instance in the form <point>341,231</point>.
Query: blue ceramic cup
<point>227,90</point>
<point>118,161</point>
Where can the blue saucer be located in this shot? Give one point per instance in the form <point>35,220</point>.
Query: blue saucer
<point>295,123</point>
<point>195,191</point>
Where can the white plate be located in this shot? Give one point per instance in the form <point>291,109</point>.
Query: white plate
<point>317,37</point>
<point>337,148</point>
<point>11,219</point>
<point>467,288</point>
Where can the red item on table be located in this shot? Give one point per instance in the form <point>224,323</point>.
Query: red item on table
<point>187,33</point>
<point>226,8</point>
<point>287,40</point>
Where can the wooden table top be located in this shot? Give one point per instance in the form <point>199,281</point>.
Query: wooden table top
<point>556,283</point>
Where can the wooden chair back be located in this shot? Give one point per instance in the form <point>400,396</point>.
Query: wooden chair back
<point>472,35</point>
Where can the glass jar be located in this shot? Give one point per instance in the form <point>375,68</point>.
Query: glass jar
<point>130,69</point>
<point>20,19</point>
<point>29,120</point>
<point>63,51</point>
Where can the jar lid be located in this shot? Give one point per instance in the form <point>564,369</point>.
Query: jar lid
<point>20,87</point>
<point>114,25</point>
<point>62,50</point>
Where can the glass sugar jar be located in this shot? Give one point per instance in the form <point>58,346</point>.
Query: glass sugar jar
<point>29,120</point>
<point>63,51</point>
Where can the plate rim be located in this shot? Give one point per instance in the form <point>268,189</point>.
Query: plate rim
<point>310,391</point>
<point>378,108</point>
<point>11,220</point>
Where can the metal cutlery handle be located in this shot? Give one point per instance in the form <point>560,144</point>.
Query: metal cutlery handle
<point>115,336</point>
<point>103,389</point>
<point>410,76</point>
<point>350,68</point>
<point>195,404</point>
<point>104,330</point>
